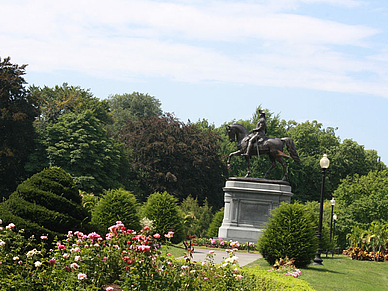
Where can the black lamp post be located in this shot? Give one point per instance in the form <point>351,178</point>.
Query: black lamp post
<point>332,202</point>
<point>335,219</point>
<point>325,163</point>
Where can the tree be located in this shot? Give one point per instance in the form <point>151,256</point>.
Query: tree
<point>197,218</point>
<point>361,201</point>
<point>78,143</point>
<point>60,100</point>
<point>18,110</point>
<point>131,107</point>
<point>179,158</point>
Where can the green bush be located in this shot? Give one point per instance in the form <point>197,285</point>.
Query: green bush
<point>266,280</point>
<point>162,209</point>
<point>115,205</point>
<point>56,181</point>
<point>216,223</point>
<point>49,199</point>
<point>197,218</point>
<point>291,232</point>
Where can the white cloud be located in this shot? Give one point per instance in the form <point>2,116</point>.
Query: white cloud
<point>226,42</point>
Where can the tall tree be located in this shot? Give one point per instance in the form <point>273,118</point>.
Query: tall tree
<point>179,158</point>
<point>57,101</point>
<point>360,201</point>
<point>130,107</point>
<point>78,143</point>
<point>18,110</point>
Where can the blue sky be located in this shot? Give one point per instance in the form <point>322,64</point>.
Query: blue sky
<point>324,60</point>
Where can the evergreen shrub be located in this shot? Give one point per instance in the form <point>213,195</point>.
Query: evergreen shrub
<point>162,209</point>
<point>216,223</point>
<point>291,232</point>
<point>35,203</point>
<point>115,205</point>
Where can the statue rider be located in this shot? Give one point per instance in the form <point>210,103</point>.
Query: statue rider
<point>259,133</point>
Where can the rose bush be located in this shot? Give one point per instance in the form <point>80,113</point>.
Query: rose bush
<point>132,260</point>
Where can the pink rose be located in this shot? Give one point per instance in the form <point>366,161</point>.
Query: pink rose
<point>82,276</point>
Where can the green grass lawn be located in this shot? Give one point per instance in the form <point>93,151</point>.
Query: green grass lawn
<point>342,274</point>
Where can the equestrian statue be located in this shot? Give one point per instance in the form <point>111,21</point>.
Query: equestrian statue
<point>258,144</point>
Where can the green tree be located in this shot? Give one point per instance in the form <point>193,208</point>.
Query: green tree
<point>291,232</point>
<point>78,143</point>
<point>60,100</point>
<point>18,110</point>
<point>179,158</point>
<point>131,107</point>
<point>197,218</point>
<point>361,200</point>
<point>115,205</point>
<point>163,210</point>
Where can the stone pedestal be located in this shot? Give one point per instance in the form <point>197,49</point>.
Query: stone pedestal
<point>248,202</point>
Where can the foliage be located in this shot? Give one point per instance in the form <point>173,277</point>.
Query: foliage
<point>224,244</point>
<point>18,110</point>
<point>131,107</point>
<point>49,199</point>
<point>291,232</point>
<point>179,158</point>
<point>286,267</point>
<point>162,209</point>
<point>130,259</point>
<point>196,218</point>
<point>338,273</point>
<point>64,99</point>
<point>78,143</point>
<point>311,140</point>
<point>115,205</point>
<point>216,223</point>
<point>370,244</point>
<point>275,281</point>
<point>326,244</point>
<point>361,200</point>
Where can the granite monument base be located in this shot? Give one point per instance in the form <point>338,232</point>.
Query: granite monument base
<point>248,202</point>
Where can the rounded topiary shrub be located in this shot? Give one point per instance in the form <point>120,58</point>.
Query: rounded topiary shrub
<point>115,205</point>
<point>291,232</point>
<point>49,199</point>
<point>162,209</point>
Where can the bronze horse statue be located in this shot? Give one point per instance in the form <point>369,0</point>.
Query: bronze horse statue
<point>272,146</point>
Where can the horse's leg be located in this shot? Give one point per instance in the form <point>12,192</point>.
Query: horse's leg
<point>247,158</point>
<point>283,163</point>
<point>273,165</point>
<point>236,153</point>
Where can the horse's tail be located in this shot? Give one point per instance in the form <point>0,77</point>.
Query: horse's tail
<point>291,149</point>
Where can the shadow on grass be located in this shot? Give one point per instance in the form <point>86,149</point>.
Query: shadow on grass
<point>320,269</point>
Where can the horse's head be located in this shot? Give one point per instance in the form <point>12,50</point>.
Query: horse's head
<point>231,133</point>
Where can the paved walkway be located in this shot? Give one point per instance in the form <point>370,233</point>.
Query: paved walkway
<point>243,258</point>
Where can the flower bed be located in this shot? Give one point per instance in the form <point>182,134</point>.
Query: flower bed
<point>87,262</point>
<point>224,244</point>
<point>364,255</point>
<point>122,260</point>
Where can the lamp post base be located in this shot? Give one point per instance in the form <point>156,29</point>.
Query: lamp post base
<point>317,259</point>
